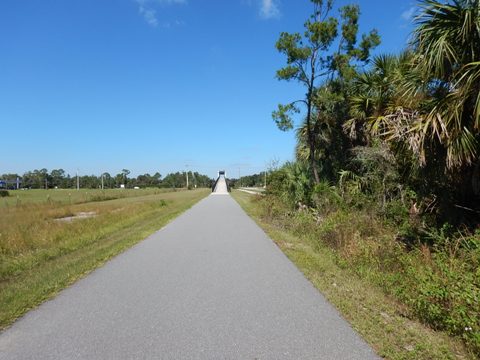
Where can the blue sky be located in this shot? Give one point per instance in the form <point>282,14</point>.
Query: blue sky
<point>154,85</point>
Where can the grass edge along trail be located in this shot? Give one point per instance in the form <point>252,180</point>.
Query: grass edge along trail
<point>380,320</point>
<point>42,282</point>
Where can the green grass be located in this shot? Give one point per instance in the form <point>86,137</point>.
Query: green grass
<point>39,256</point>
<point>72,196</point>
<point>383,322</point>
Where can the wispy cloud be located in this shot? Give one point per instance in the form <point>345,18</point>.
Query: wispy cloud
<point>149,15</point>
<point>146,9</point>
<point>170,24</point>
<point>269,9</point>
<point>408,14</point>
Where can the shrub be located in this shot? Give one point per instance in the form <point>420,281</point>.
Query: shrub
<point>447,295</point>
<point>4,193</point>
<point>291,183</point>
<point>326,198</point>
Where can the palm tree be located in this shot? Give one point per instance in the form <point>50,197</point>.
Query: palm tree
<point>384,107</point>
<point>447,43</point>
<point>428,101</point>
<point>376,94</point>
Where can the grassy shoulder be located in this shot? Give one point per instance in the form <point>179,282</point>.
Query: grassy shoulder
<point>40,255</point>
<point>381,320</point>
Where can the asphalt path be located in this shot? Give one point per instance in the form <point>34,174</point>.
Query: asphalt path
<point>209,285</point>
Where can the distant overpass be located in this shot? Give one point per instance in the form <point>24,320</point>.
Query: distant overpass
<point>220,187</point>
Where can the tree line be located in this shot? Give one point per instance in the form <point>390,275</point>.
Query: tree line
<point>403,125</point>
<point>254,180</point>
<point>58,178</point>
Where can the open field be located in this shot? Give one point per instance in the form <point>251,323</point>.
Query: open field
<point>383,322</point>
<point>72,196</point>
<point>40,255</point>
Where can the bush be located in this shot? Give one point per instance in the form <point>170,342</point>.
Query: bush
<point>326,198</point>
<point>291,183</point>
<point>4,193</point>
<point>447,295</point>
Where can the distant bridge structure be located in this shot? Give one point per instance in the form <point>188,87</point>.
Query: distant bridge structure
<point>220,187</point>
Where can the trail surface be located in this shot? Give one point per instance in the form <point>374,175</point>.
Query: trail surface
<point>221,187</point>
<point>210,285</point>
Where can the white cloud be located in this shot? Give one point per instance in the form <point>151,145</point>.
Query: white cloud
<point>269,9</point>
<point>149,15</point>
<point>408,14</point>
<point>145,8</point>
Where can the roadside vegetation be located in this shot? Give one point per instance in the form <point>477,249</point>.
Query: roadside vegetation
<point>47,245</point>
<point>352,279</point>
<point>387,170</point>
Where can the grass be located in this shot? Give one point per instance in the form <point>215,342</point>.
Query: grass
<point>382,321</point>
<point>72,196</point>
<point>39,255</point>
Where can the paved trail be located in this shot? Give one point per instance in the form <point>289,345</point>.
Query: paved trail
<point>210,285</point>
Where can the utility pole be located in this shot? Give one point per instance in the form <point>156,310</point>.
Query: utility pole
<point>78,181</point>
<point>186,173</point>
<point>102,180</point>
<point>194,180</point>
<point>265,179</point>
